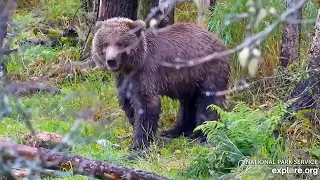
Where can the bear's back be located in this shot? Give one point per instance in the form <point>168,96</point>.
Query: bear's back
<point>185,41</point>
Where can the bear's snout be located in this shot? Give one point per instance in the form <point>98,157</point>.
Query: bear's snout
<point>112,64</point>
<point>111,58</point>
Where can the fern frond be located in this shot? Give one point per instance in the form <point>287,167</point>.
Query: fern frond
<point>219,110</point>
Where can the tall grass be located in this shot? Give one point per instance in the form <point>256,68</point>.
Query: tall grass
<point>233,33</point>
<point>60,12</point>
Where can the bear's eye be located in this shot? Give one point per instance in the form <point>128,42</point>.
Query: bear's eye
<point>105,44</point>
<point>119,44</point>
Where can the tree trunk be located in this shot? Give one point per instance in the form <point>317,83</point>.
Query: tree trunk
<point>6,15</point>
<point>212,5</point>
<point>314,64</point>
<point>90,5</point>
<point>308,90</point>
<point>114,8</point>
<point>145,7</point>
<point>291,37</point>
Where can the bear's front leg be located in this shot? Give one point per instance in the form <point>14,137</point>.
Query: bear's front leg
<point>147,110</point>
<point>124,90</point>
<point>125,105</point>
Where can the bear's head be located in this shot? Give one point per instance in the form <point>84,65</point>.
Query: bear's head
<point>118,43</point>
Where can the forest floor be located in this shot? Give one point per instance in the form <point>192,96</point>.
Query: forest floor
<point>244,136</point>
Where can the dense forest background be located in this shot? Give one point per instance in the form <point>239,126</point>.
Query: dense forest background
<point>79,105</point>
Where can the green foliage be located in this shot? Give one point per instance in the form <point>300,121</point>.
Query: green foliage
<point>56,10</point>
<point>203,165</point>
<point>217,21</point>
<point>40,52</point>
<point>52,33</point>
<point>316,152</point>
<point>232,31</point>
<point>239,134</point>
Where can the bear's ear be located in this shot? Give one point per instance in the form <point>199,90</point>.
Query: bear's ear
<point>137,26</point>
<point>98,25</point>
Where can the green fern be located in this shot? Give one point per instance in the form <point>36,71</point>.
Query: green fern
<point>239,134</point>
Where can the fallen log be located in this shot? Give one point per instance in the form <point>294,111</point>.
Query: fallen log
<point>56,160</point>
<point>44,173</point>
<point>28,88</point>
<point>55,37</point>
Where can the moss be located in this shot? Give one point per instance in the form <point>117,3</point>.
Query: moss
<point>52,33</point>
<point>28,4</point>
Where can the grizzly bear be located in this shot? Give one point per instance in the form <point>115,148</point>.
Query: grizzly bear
<point>126,48</point>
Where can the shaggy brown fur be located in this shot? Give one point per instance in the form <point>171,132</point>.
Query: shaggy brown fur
<point>151,80</point>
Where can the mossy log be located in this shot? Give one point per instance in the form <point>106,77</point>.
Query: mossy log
<point>28,88</point>
<point>28,4</point>
<point>56,160</point>
<point>55,37</point>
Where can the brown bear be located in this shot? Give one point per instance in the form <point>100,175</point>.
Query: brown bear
<point>134,55</point>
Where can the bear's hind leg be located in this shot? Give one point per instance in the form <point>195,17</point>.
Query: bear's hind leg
<point>185,122</point>
<point>206,114</point>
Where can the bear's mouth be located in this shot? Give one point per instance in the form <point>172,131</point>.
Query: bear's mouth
<point>113,69</point>
<point>113,65</point>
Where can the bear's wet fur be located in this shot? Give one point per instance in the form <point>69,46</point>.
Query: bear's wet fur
<point>191,86</point>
